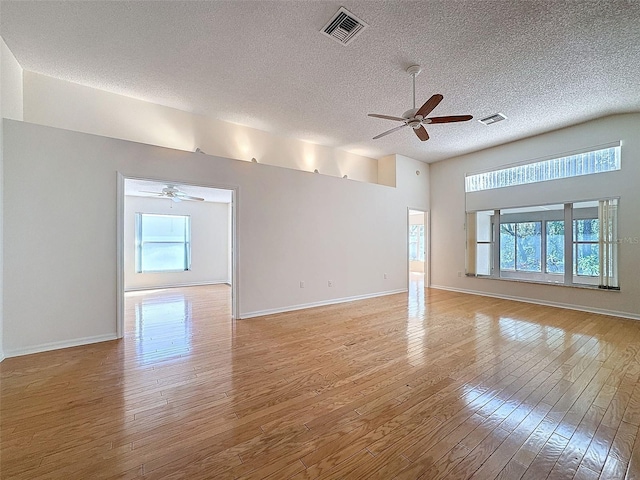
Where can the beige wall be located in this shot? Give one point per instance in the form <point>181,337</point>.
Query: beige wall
<point>12,92</point>
<point>58,103</point>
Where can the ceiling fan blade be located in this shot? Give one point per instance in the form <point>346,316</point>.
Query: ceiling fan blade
<point>451,118</point>
<point>429,105</point>
<point>422,133</point>
<point>390,131</point>
<point>387,117</point>
<point>160,194</point>
<point>189,197</point>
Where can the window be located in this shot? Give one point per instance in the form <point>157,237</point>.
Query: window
<point>520,246</point>
<point>586,248</point>
<point>554,258</point>
<point>163,243</point>
<point>597,161</point>
<point>480,235</point>
<point>532,241</point>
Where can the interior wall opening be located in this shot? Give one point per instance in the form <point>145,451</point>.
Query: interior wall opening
<point>172,237</point>
<point>418,249</point>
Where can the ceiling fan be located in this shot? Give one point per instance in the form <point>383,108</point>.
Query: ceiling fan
<point>416,118</point>
<point>172,192</point>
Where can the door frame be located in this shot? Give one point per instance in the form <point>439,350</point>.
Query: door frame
<point>235,291</point>
<point>427,245</point>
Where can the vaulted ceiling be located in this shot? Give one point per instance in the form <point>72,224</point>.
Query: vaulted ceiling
<point>544,64</point>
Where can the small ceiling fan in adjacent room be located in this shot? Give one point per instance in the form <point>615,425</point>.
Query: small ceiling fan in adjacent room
<point>172,192</point>
<point>416,118</point>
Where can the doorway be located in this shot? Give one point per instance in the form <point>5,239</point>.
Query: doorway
<point>173,234</point>
<point>417,239</point>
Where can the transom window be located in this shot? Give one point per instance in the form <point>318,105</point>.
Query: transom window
<point>163,243</point>
<point>597,161</point>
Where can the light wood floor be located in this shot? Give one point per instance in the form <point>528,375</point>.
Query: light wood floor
<point>431,385</point>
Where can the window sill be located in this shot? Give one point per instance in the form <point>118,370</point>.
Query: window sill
<point>553,284</point>
<point>163,271</point>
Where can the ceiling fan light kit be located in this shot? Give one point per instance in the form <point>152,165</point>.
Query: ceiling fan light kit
<point>415,117</point>
<point>172,192</point>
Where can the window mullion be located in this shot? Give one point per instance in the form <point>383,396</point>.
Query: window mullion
<point>543,247</point>
<point>495,253</point>
<point>515,247</point>
<point>568,244</point>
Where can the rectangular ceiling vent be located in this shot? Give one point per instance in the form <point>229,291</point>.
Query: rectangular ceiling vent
<point>497,117</point>
<point>344,27</point>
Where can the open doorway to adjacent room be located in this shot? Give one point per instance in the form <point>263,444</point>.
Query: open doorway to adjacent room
<point>417,238</point>
<point>176,250</point>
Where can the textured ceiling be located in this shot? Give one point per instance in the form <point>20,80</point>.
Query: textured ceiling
<point>136,188</point>
<point>545,64</point>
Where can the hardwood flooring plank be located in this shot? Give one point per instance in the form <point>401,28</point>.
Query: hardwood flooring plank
<point>436,386</point>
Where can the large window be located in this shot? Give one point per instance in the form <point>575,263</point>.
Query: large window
<point>163,243</point>
<point>532,243</point>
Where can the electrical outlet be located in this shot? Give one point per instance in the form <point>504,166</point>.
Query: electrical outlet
<point>330,283</point>
<point>385,276</point>
<point>459,274</point>
<point>301,284</point>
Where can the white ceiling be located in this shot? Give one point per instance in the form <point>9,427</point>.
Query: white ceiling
<point>545,64</point>
<point>136,188</point>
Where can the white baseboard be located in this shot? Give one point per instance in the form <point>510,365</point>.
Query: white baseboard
<point>45,347</point>
<point>173,285</point>
<point>569,306</point>
<point>333,301</point>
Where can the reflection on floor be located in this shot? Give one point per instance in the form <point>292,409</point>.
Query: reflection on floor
<point>430,384</point>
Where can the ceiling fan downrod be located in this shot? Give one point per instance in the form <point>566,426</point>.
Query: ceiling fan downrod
<point>414,70</point>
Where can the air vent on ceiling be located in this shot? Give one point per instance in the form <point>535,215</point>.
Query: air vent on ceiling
<point>344,26</point>
<point>497,117</point>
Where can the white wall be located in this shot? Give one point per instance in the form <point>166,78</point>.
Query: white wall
<point>292,226</point>
<point>10,107</point>
<point>448,212</point>
<point>62,104</point>
<point>209,243</point>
